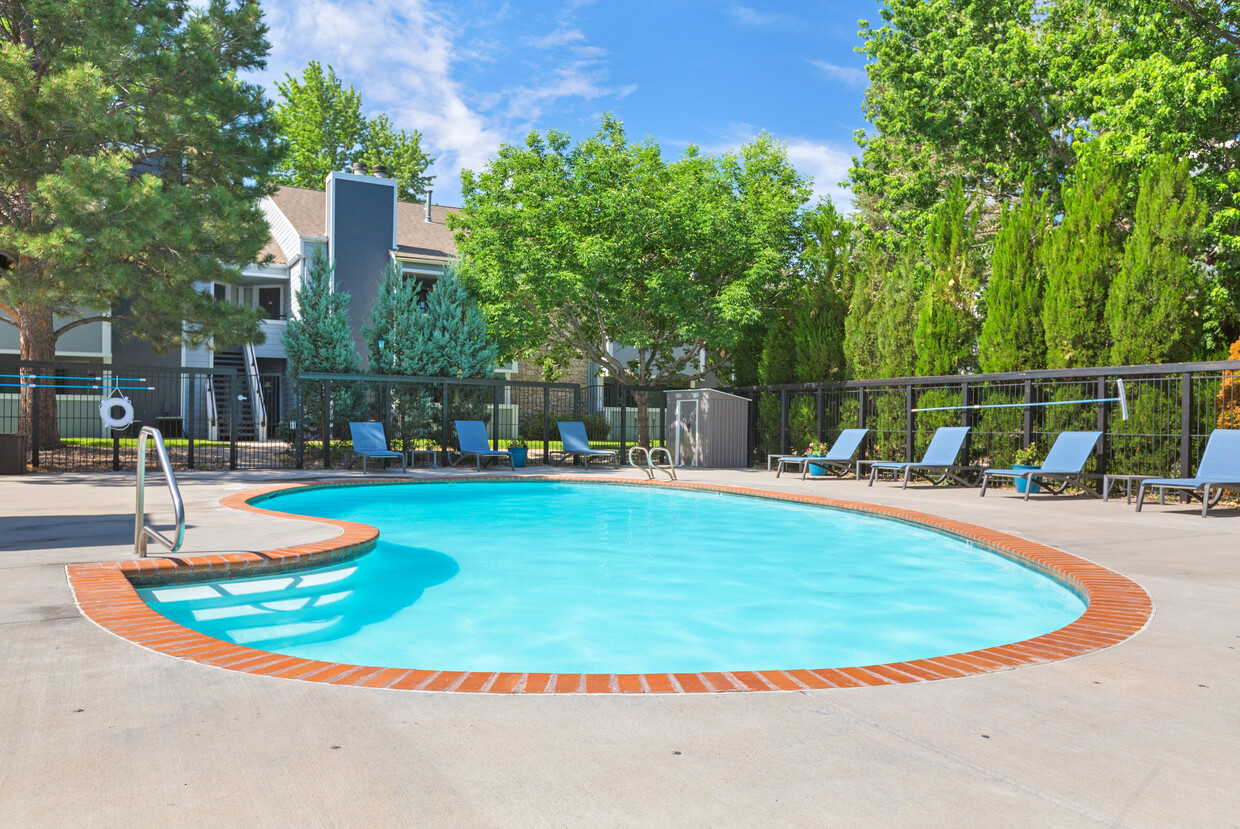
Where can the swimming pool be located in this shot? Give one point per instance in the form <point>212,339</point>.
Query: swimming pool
<point>578,578</point>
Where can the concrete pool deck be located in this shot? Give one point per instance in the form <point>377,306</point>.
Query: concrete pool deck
<point>98,731</point>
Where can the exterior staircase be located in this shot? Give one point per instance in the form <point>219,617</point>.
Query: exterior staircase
<point>247,429</point>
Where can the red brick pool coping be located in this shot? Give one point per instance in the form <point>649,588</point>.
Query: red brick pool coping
<point>1117,609</point>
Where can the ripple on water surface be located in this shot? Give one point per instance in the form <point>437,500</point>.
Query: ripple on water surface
<point>584,578</point>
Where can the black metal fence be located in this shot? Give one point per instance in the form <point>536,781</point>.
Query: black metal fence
<point>1171,411</point>
<point>218,418</point>
<point>212,417</point>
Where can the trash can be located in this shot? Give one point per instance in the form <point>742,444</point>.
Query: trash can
<point>12,454</point>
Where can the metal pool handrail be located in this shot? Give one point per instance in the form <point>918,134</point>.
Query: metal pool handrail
<point>141,531</point>
<point>650,467</point>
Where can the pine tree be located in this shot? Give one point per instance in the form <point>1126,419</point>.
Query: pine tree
<point>1012,337</point>
<point>946,332</point>
<point>1152,307</point>
<point>1081,257</point>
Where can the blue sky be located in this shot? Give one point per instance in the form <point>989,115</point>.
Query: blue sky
<point>473,74</point>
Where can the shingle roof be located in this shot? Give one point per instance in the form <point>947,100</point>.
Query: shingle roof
<point>415,237</point>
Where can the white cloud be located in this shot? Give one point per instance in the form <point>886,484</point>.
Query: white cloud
<point>560,37</point>
<point>826,163</point>
<point>406,58</point>
<point>849,75</point>
<point>751,17</point>
<point>400,56</point>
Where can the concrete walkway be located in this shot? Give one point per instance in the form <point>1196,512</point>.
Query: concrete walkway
<point>99,732</point>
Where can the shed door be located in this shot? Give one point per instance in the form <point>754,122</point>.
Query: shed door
<point>687,449</point>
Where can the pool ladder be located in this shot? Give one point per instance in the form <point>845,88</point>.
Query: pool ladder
<point>141,530</point>
<point>650,466</point>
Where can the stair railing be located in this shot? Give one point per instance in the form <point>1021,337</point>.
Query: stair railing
<point>254,383</point>
<point>213,414</point>
<point>142,530</point>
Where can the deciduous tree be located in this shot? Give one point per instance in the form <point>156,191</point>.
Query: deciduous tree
<point>606,242</point>
<point>322,123</point>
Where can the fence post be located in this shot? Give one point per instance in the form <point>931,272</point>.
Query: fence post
<point>783,421</point>
<point>624,418</point>
<point>861,406</point>
<point>234,414</point>
<point>34,421</point>
<point>299,431</point>
<point>443,410</point>
<point>386,403</point>
<point>325,425</point>
<point>663,421</point>
<point>909,429</point>
<point>1186,423</point>
<point>1104,447</point>
<point>1027,436</point>
<point>821,415</point>
<point>966,416</point>
<point>494,417</point>
<point>189,426</point>
<point>546,421</point>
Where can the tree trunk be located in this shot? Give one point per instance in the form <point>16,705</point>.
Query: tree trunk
<point>38,343</point>
<point>643,417</point>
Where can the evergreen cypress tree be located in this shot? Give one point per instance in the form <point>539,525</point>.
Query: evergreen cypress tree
<point>1081,256</point>
<point>778,361</point>
<point>861,358</point>
<point>818,334</point>
<point>1152,309</point>
<point>395,318</point>
<point>1012,337</point>
<point>946,332</point>
<point>895,313</point>
<point>318,338</point>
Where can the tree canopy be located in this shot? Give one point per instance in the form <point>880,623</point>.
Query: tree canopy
<point>322,123</point>
<point>133,159</point>
<point>608,242</point>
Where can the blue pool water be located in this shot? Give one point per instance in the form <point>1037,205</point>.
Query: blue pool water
<point>579,578</point>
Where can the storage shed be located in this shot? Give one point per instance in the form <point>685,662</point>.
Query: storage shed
<point>708,428</point>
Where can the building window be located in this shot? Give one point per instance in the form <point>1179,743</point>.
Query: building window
<point>220,291</point>
<point>271,301</point>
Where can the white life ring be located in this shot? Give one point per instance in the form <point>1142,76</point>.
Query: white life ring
<point>105,413</point>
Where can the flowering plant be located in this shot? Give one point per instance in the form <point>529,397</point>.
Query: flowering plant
<point>518,443</point>
<point>1027,455</point>
<point>816,447</point>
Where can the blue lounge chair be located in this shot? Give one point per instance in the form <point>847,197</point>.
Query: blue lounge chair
<point>471,435</point>
<point>369,441</point>
<point>1064,463</point>
<point>1219,469</point>
<point>577,445</point>
<point>838,460</point>
<point>940,457</point>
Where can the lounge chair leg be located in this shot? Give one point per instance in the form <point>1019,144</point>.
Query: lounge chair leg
<point>1205,500</point>
<point>907,473</point>
<point>985,480</point>
<point>1028,485</point>
<point>873,472</point>
<point>1140,495</point>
